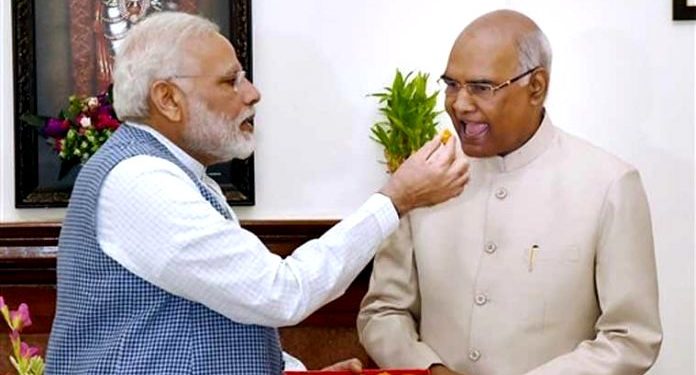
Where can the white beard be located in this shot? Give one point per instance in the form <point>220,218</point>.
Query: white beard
<point>216,134</point>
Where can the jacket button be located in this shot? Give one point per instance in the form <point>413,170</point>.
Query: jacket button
<point>491,247</point>
<point>474,355</point>
<point>481,299</point>
<point>501,193</point>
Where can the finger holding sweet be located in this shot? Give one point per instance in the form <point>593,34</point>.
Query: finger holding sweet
<point>427,180</point>
<point>445,154</point>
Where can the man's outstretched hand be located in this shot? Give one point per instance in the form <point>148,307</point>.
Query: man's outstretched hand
<point>433,174</point>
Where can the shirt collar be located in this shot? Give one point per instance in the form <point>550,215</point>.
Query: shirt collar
<point>187,160</point>
<point>535,146</point>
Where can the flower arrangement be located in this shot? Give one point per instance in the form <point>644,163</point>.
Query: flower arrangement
<point>24,358</point>
<point>410,117</point>
<point>80,128</point>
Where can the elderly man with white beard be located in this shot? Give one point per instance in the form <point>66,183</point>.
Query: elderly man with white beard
<point>155,273</point>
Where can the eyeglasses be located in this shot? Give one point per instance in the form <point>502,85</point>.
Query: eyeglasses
<point>234,80</point>
<point>480,90</point>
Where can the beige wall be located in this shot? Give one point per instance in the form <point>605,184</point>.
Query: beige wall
<point>623,77</point>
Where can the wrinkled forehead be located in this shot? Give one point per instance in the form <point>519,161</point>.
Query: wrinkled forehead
<point>483,53</point>
<point>211,54</point>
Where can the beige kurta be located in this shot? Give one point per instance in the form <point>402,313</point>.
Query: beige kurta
<point>544,265</point>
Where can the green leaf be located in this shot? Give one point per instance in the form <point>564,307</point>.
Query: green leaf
<point>33,120</point>
<point>410,116</point>
<point>36,365</point>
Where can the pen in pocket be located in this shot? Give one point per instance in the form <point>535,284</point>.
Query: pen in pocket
<point>531,256</point>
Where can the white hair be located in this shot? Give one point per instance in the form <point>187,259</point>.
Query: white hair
<point>534,50</point>
<point>152,50</point>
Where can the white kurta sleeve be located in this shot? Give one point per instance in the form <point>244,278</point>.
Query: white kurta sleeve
<point>153,220</point>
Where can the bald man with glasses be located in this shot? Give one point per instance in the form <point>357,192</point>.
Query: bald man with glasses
<point>545,264</point>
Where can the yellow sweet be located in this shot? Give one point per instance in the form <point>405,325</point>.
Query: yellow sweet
<point>445,136</point>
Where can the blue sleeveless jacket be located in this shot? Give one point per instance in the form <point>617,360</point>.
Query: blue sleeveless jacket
<point>110,321</point>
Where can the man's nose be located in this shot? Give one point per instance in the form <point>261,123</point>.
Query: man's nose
<point>463,102</point>
<point>250,94</point>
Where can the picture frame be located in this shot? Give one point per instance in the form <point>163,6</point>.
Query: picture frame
<point>46,37</point>
<point>683,10</point>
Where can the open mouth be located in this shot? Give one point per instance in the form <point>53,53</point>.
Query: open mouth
<point>247,124</point>
<point>473,130</point>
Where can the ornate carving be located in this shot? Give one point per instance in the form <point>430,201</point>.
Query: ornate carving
<point>240,23</point>
<point>82,45</point>
<point>24,63</point>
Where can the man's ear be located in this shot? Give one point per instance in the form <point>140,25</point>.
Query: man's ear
<point>168,100</point>
<point>538,86</point>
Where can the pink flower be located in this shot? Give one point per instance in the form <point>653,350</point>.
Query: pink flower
<point>27,351</point>
<point>83,121</point>
<point>20,318</point>
<point>26,359</point>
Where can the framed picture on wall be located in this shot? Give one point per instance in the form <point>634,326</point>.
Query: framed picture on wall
<point>684,9</point>
<point>65,47</point>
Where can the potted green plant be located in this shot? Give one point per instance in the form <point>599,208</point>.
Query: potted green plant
<point>409,117</point>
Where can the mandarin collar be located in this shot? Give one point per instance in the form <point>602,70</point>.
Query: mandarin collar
<point>187,160</point>
<point>535,146</point>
